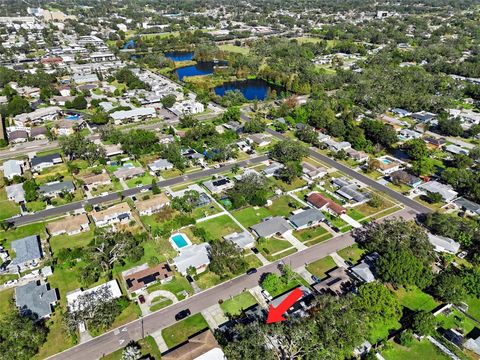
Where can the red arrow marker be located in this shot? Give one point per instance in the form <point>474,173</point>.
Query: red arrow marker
<point>276,314</point>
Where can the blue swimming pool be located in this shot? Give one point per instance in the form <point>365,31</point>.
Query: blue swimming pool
<point>179,240</point>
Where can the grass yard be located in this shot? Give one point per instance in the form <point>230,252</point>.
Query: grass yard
<point>66,241</point>
<point>114,186</point>
<point>352,253</point>
<point>176,286</point>
<point>273,245</point>
<point>310,233</point>
<point>180,332</point>
<point>456,320</point>
<point>253,261</point>
<point>380,330</point>
<point>235,305</point>
<point>7,208</point>
<point>219,226</point>
<point>320,267</point>
<point>160,303</point>
<point>473,307</point>
<point>419,350</point>
<point>57,338</point>
<point>415,299</point>
<point>148,348</point>
<point>6,237</point>
<point>282,254</point>
<point>280,207</point>
<point>34,206</point>
<point>236,49</point>
<point>208,279</point>
<point>145,179</point>
<point>296,183</point>
<point>355,214</point>
<point>6,301</point>
<point>207,210</point>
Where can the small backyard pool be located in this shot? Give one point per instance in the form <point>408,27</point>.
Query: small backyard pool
<point>180,240</point>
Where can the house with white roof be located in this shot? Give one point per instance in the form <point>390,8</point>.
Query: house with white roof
<point>243,240</point>
<point>136,114</point>
<point>196,256</point>
<point>12,168</point>
<point>101,293</point>
<point>15,193</point>
<point>160,164</point>
<point>446,191</point>
<point>443,244</point>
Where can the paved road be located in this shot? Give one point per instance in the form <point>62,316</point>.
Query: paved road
<point>64,209</point>
<point>118,338</point>
<point>362,178</point>
<point>28,147</point>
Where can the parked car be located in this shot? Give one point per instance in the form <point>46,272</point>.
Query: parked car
<point>267,295</point>
<point>349,263</point>
<point>141,299</point>
<point>251,271</point>
<point>316,279</point>
<point>182,314</point>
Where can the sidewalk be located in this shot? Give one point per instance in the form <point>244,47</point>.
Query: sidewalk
<point>350,221</point>
<point>339,260</point>
<point>294,241</point>
<point>305,274</point>
<point>157,336</point>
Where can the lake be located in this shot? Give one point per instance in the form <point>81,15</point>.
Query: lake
<point>199,69</point>
<point>252,88</point>
<point>179,55</point>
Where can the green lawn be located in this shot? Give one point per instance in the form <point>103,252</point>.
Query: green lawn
<point>145,179</point>
<point>159,303</point>
<point>273,245</point>
<point>7,208</point>
<point>296,183</point>
<point>204,211</point>
<point>176,286</point>
<point>419,350</point>
<point>456,320</point>
<point>281,255</point>
<point>473,307</point>
<point>208,279</point>
<point>280,207</point>
<point>380,330</point>
<point>66,241</point>
<point>21,232</point>
<point>355,214</point>
<point>57,338</point>
<point>6,301</point>
<point>219,226</point>
<point>320,267</point>
<point>180,332</point>
<point>233,48</point>
<point>415,299</point>
<point>235,305</point>
<point>34,206</point>
<point>352,253</point>
<point>310,233</point>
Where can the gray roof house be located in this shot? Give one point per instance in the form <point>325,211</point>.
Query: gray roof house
<point>443,244</point>
<point>15,193</point>
<point>160,164</point>
<point>366,269</point>
<point>243,240</point>
<point>271,226</point>
<point>218,185</point>
<point>468,206</point>
<point>457,150</point>
<point>35,300</point>
<point>306,218</point>
<point>11,168</point>
<point>195,255</point>
<point>272,169</point>
<point>26,250</point>
<point>55,188</point>
<point>473,345</point>
<point>446,191</point>
<point>41,162</point>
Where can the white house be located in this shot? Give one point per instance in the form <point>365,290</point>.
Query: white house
<point>113,215</point>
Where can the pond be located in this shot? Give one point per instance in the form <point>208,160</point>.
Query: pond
<point>252,88</point>
<point>199,69</point>
<point>179,55</point>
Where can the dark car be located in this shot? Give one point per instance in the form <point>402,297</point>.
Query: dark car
<point>189,279</point>
<point>349,263</point>
<point>251,271</point>
<point>141,299</point>
<point>182,314</point>
<point>255,250</point>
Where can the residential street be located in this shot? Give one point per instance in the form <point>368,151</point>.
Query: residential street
<point>137,329</point>
<point>59,210</point>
